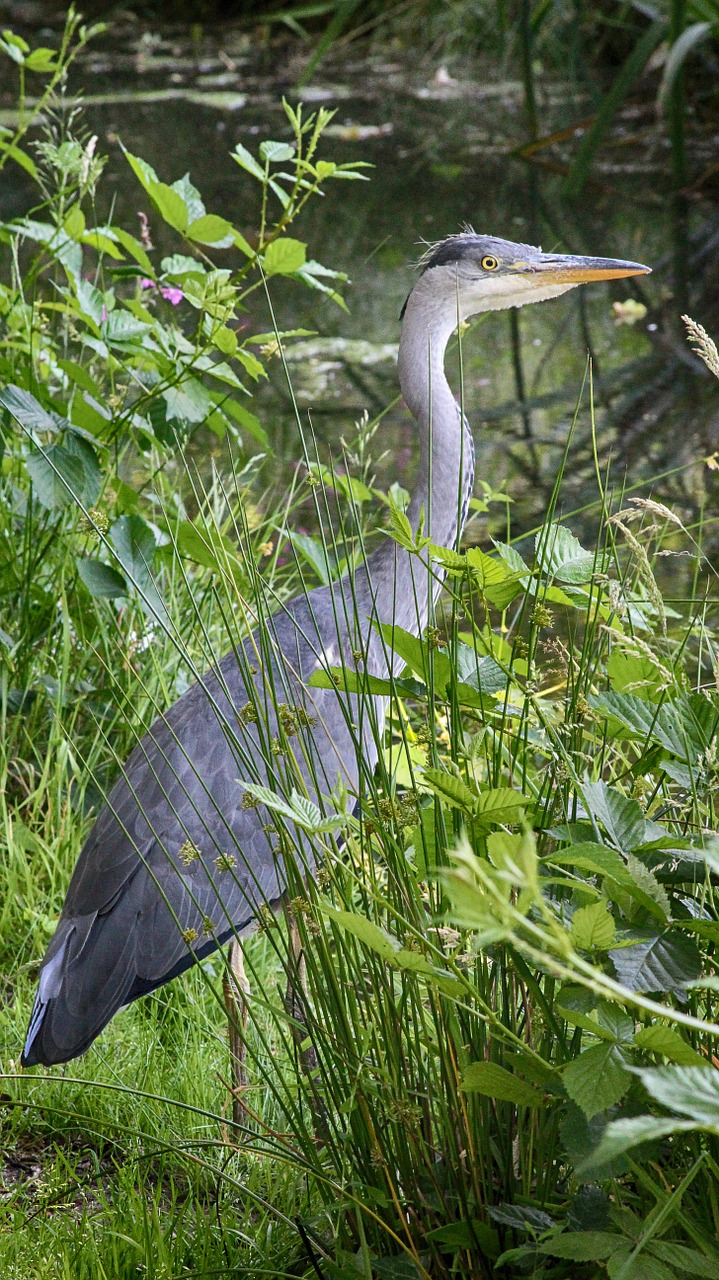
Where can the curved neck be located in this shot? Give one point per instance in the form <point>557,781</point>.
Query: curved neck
<point>403,585</point>
<point>446,462</point>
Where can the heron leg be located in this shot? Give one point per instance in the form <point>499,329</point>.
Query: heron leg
<point>236,990</point>
<point>296,1006</point>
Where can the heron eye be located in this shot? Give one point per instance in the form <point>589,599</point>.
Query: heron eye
<point>489,263</point>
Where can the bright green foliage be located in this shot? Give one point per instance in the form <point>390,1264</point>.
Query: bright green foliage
<point>509,943</point>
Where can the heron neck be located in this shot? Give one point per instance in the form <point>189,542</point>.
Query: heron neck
<point>446,461</point>
<point>403,585</point>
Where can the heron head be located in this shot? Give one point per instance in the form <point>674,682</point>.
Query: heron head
<point>476,273</point>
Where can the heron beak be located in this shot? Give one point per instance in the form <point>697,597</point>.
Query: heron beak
<point>570,269</point>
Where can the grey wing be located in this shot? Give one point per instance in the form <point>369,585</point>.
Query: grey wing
<point>175,862</point>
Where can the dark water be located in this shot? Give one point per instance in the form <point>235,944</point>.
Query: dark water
<point>443,151</point>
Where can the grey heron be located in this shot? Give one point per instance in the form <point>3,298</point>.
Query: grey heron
<point>176,864</point>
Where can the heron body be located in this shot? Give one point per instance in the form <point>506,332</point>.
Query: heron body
<point>176,862</point>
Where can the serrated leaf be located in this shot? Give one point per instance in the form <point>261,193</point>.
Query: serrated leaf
<point>562,556</point>
<point>499,582</point>
<point>450,788</point>
<point>101,580</point>
<point>659,962</point>
<point>210,229</point>
<point>121,326</point>
<point>685,1260</point>
<point>684,726</point>
<point>583,1246</point>
<point>597,859</point>
<point>620,816</point>
<point>27,410</point>
<point>57,475</point>
<point>691,1091</point>
<point>597,1078</point>
<point>309,816</point>
<point>662,1039</point>
<point>493,1081</point>
<point>626,1264</point>
<point>349,681</point>
<point>593,928</point>
<point>273,802</point>
<point>134,543</point>
<point>500,804</point>
<point>247,161</point>
<point>276,152</point>
<point>284,256</point>
<point>621,1136</point>
<point>189,401</point>
<point>654,893</point>
<point>628,672</point>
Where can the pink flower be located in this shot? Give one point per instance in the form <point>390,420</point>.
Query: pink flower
<point>103,317</point>
<point>172,294</point>
<point>147,284</point>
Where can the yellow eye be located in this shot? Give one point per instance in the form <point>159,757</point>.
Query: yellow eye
<point>489,263</point>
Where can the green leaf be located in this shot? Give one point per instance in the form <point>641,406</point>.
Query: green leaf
<point>284,256</point>
<point>42,60</point>
<point>190,197</point>
<point>498,582</point>
<point>500,805</point>
<point>628,672</point>
<point>621,1136</point>
<point>653,894</point>
<point>691,1091</point>
<point>28,411</point>
<point>135,250</point>
<point>209,229</point>
<point>620,816</point>
<point>57,475</point>
<point>246,420</point>
<point>493,1081</point>
<point>658,962</point>
<point>276,152</point>
<point>450,788</point>
<point>561,555</point>
<point>597,1078</point>
<point>684,726</point>
<point>593,928</point>
<point>627,1264</point>
<point>349,681</point>
<point>134,543</point>
<point>122,327</point>
<point>659,1038</point>
<point>597,859</point>
<point>81,377</point>
<point>207,546</point>
<point>247,162</point>
<point>169,203</point>
<point>313,551</point>
<point>367,932</point>
<point>687,1261</point>
<point>583,1246</point>
<point>188,400</point>
<point>74,222</point>
<point>19,156</point>
<point>101,579</point>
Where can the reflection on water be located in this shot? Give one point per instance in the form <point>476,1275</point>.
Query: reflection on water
<point>442,150</point>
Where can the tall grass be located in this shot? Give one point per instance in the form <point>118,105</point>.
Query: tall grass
<point>501,1057</point>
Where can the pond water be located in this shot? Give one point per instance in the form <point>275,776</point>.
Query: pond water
<point>444,151</point>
